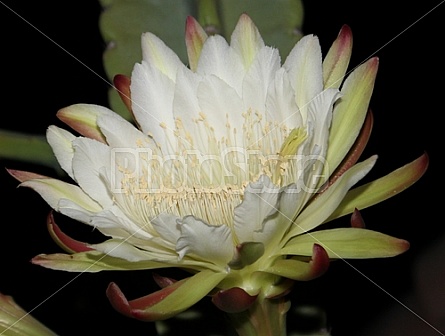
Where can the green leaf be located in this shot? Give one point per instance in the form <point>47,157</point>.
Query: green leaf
<point>25,147</point>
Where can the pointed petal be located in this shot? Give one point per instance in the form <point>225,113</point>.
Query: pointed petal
<point>233,300</point>
<point>60,141</point>
<point>22,176</point>
<point>337,59</point>
<point>67,243</point>
<point>195,37</point>
<point>324,204</point>
<point>155,52</point>
<point>350,112</point>
<point>301,270</point>
<point>91,262</point>
<point>52,191</point>
<point>246,40</point>
<point>168,301</point>
<point>217,247</point>
<point>82,118</point>
<point>152,99</point>
<point>218,59</point>
<point>347,243</point>
<point>304,65</point>
<point>383,188</point>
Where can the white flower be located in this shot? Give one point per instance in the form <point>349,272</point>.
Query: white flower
<point>235,160</point>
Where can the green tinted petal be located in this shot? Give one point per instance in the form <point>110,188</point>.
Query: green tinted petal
<point>91,262</point>
<point>381,189</point>
<point>349,113</point>
<point>336,61</point>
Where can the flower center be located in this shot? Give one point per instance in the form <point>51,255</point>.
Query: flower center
<point>203,174</point>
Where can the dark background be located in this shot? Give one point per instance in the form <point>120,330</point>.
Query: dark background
<point>359,297</point>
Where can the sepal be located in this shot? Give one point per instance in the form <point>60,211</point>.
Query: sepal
<point>168,301</point>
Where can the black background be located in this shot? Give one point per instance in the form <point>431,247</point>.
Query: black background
<point>38,78</point>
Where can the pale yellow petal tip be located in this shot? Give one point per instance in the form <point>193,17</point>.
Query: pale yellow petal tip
<point>195,36</point>
<point>81,118</point>
<point>246,39</point>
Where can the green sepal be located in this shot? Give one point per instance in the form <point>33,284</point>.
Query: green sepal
<point>347,243</point>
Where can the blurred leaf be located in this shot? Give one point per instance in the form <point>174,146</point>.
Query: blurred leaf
<point>123,21</point>
<point>27,148</point>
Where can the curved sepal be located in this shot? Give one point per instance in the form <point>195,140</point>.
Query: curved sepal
<point>122,85</point>
<point>383,188</point>
<point>301,270</point>
<point>67,243</point>
<point>233,300</point>
<point>168,301</point>
<point>354,153</point>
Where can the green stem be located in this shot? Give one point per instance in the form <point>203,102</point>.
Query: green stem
<point>266,317</point>
<point>208,16</point>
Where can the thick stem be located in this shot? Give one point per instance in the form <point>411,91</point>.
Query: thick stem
<point>266,317</point>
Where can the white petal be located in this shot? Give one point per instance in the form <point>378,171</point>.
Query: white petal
<point>152,100</point>
<point>185,103</point>
<point>60,141</point>
<point>246,40</point>
<point>90,156</point>
<point>52,191</point>
<point>260,202</point>
<point>221,105</point>
<point>218,59</point>
<point>258,78</point>
<point>304,65</point>
<point>155,51</point>
<point>281,103</point>
<point>75,211</point>
<point>120,133</point>
<point>166,226</point>
<point>204,241</point>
